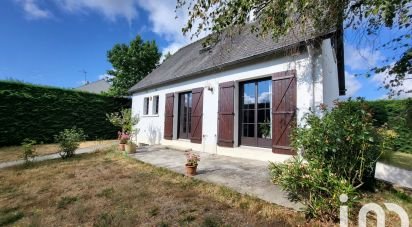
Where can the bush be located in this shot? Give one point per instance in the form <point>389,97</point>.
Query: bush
<point>396,115</point>
<point>29,151</point>
<point>39,113</point>
<point>315,187</point>
<point>343,140</point>
<point>69,140</point>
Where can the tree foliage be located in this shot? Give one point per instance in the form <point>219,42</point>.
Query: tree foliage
<point>131,63</point>
<point>278,17</point>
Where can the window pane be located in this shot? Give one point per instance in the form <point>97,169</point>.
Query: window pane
<point>251,116</point>
<point>251,130</point>
<point>264,93</point>
<point>248,97</point>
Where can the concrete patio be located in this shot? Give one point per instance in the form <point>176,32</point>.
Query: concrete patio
<point>243,175</point>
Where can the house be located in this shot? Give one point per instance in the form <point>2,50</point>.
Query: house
<point>95,87</point>
<point>239,97</point>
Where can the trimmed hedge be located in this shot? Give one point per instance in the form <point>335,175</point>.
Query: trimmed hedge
<point>39,112</point>
<point>397,114</point>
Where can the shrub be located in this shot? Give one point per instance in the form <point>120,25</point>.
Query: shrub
<point>69,140</point>
<point>29,151</point>
<point>316,187</point>
<point>124,120</point>
<point>39,112</point>
<point>342,140</point>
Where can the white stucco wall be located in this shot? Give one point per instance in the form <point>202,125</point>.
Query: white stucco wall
<point>151,126</point>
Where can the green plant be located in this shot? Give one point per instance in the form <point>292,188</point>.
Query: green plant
<point>69,140</point>
<point>29,150</point>
<point>192,159</point>
<point>316,187</point>
<point>265,129</point>
<point>342,140</point>
<point>124,120</point>
<point>40,112</point>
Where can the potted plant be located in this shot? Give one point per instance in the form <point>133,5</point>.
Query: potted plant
<point>130,147</point>
<point>123,138</point>
<point>191,163</point>
<point>126,122</point>
<point>265,129</point>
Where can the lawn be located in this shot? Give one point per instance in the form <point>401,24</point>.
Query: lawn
<point>107,188</point>
<point>15,152</point>
<point>401,160</point>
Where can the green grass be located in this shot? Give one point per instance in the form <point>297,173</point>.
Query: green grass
<point>401,160</point>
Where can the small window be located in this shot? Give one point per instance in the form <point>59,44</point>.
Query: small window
<point>155,108</point>
<point>146,106</point>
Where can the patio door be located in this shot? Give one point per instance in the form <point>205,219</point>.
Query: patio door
<point>185,115</point>
<point>255,113</point>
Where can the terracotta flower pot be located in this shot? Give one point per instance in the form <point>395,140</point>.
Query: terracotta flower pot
<point>121,146</point>
<point>191,170</point>
<point>130,148</point>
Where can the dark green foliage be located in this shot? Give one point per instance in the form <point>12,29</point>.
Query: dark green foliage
<point>9,216</point>
<point>39,113</point>
<point>397,115</point>
<point>131,63</point>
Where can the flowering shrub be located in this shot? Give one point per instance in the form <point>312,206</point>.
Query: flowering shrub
<point>192,159</point>
<point>123,137</point>
<point>69,140</point>
<point>316,188</point>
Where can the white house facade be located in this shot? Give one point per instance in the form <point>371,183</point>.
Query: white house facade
<point>241,105</point>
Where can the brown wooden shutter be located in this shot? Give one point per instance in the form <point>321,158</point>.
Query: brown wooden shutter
<point>226,114</point>
<point>283,111</point>
<point>197,115</point>
<point>169,104</point>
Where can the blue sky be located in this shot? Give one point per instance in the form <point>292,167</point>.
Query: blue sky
<point>50,42</point>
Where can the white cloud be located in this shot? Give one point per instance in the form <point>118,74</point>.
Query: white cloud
<point>111,9</point>
<point>162,16</point>
<point>361,58</point>
<point>352,84</point>
<point>33,10</point>
<point>381,78</point>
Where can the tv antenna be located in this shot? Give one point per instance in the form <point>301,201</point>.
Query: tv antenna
<point>85,76</point>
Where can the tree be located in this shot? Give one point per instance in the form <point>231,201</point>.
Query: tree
<point>131,63</point>
<point>278,17</point>
<point>167,55</point>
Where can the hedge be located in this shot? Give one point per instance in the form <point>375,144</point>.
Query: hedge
<point>397,114</point>
<point>39,112</point>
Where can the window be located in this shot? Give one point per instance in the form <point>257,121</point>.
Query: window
<point>185,114</point>
<point>255,110</point>
<point>146,106</point>
<point>155,109</point>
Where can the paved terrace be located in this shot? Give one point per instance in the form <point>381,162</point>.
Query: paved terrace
<point>243,175</point>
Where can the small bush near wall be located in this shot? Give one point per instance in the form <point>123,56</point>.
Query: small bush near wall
<point>39,113</point>
<point>397,114</point>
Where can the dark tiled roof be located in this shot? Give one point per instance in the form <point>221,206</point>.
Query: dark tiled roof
<point>95,87</point>
<point>191,61</point>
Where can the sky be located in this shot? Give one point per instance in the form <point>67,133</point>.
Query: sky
<point>52,42</point>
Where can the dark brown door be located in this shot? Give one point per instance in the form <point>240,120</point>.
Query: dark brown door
<point>197,115</point>
<point>185,115</point>
<point>283,110</point>
<point>226,114</point>
<point>168,129</point>
<point>255,116</point>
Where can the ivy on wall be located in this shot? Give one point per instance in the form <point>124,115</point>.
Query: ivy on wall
<point>39,112</point>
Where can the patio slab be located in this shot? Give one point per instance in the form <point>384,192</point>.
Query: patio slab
<point>243,175</point>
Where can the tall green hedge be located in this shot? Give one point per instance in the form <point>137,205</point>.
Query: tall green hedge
<point>39,113</point>
<point>397,114</point>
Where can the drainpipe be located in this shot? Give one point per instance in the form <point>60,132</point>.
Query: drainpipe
<point>312,61</point>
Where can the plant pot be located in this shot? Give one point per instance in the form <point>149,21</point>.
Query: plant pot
<point>191,170</point>
<point>130,148</point>
<point>121,146</point>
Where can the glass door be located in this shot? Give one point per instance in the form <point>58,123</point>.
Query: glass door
<point>185,115</point>
<point>255,113</point>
